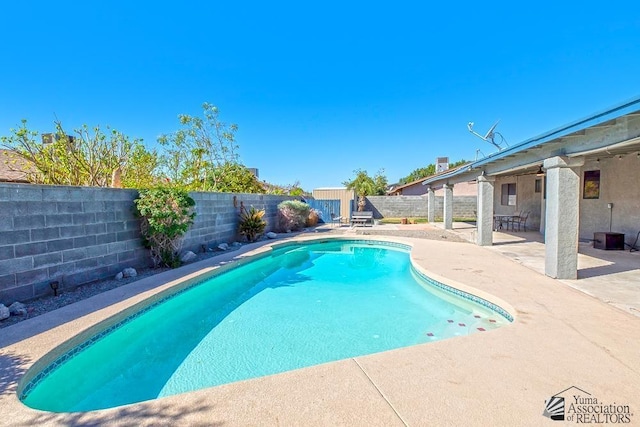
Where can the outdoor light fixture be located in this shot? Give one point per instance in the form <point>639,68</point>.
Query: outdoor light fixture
<point>540,171</point>
<point>54,286</point>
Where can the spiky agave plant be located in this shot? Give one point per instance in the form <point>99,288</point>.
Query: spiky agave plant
<point>251,223</point>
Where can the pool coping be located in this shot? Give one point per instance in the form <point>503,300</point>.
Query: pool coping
<point>33,347</point>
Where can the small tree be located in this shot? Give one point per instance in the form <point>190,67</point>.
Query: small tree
<point>380,184</point>
<point>235,178</point>
<point>166,216</point>
<point>90,157</point>
<point>195,155</point>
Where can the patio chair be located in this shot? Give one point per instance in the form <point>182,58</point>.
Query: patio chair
<point>521,221</point>
<point>336,219</point>
<point>512,222</point>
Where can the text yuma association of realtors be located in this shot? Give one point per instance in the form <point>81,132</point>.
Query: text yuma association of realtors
<point>589,410</point>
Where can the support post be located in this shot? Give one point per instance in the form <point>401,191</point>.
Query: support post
<point>485,211</point>
<point>448,206</point>
<point>431,205</point>
<point>562,217</point>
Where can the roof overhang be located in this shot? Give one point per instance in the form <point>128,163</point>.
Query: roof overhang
<point>610,133</point>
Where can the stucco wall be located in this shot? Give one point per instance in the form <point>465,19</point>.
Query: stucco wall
<point>460,189</point>
<point>527,200</point>
<point>76,235</point>
<point>416,189</point>
<point>620,185</point>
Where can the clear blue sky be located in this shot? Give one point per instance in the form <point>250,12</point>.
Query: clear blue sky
<point>319,89</point>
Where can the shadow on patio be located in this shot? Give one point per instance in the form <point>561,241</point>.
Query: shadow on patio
<point>612,276</point>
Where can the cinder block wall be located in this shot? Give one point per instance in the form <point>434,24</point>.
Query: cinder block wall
<point>70,234</point>
<point>397,206</point>
<point>416,206</point>
<point>217,217</point>
<point>76,235</point>
<point>463,206</point>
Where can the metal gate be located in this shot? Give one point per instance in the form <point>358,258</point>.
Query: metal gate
<point>326,208</point>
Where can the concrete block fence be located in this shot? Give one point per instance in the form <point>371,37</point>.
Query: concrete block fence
<point>416,206</point>
<point>76,235</point>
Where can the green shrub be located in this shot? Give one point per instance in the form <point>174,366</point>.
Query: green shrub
<point>292,215</point>
<point>251,223</point>
<point>166,216</point>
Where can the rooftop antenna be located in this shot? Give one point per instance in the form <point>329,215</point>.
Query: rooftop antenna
<point>478,151</point>
<point>489,136</point>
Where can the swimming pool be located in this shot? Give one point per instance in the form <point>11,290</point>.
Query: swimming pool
<point>296,306</point>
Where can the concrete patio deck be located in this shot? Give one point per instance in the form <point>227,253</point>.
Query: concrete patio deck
<point>560,338</point>
<point>611,276</point>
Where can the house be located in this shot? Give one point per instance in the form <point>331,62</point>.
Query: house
<point>577,180</point>
<point>12,167</point>
<point>416,188</point>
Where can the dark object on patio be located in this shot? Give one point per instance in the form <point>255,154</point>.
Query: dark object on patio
<point>608,241</point>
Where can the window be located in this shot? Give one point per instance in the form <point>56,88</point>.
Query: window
<point>538,187</point>
<point>508,194</point>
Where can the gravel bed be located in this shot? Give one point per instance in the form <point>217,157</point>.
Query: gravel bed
<point>45,304</point>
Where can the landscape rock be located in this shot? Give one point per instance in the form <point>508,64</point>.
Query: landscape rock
<point>119,276</point>
<point>18,309</point>
<point>4,312</point>
<point>271,235</point>
<point>188,256</point>
<point>236,244</point>
<point>129,272</point>
<point>223,246</point>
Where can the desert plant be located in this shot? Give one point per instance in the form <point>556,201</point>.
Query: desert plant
<point>166,215</point>
<point>251,223</point>
<point>363,185</point>
<point>292,215</point>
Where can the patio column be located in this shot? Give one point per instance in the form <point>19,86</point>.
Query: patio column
<point>448,206</point>
<point>485,211</point>
<point>561,217</point>
<point>431,205</point>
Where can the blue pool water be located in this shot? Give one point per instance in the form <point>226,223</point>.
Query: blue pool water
<point>297,307</point>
